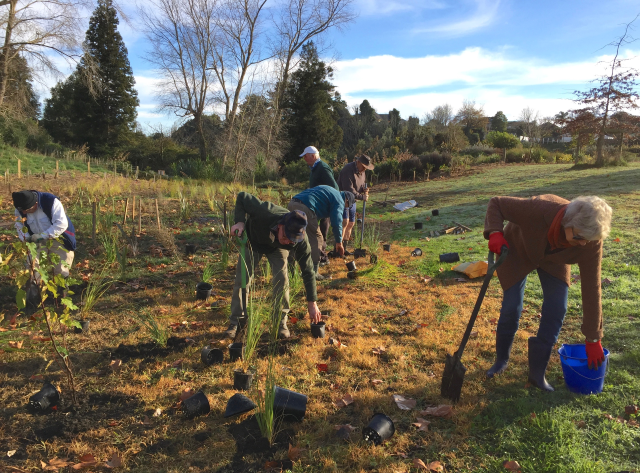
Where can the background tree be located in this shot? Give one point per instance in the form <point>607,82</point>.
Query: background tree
<point>499,122</point>
<point>581,125</point>
<point>439,118</point>
<point>613,93</point>
<point>502,140</point>
<point>530,126</point>
<point>310,111</point>
<point>472,120</point>
<point>20,96</point>
<point>394,121</point>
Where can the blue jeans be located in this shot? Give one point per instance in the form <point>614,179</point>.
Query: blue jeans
<point>554,308</point>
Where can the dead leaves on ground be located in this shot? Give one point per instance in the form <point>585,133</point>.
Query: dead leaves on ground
<point>378,350</point>
<point>404,403</point>
<point>443,410</point>
<point>86,461</point>
<point>421,424</point>
<point>512,465</point>
<point>16,344</point>
<point>344,401</point>
<point>435,466</point>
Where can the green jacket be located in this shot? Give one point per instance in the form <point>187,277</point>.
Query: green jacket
<point>322,175</point>
<point>259,218</point>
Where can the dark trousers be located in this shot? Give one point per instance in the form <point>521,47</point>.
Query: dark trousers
<point>554,308</point>
<point>324,225</point>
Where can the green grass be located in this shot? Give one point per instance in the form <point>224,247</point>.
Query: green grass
<point>35,162</point>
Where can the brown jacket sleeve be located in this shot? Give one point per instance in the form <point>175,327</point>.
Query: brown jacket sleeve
<point>590,285</point>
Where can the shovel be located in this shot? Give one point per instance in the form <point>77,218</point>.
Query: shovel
<point>360,253</point>
<point>453,375</point>
<point>242,321</point>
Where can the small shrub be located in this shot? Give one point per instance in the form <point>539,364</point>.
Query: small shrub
<point>478,149</point>
<point>492,158</point>
<point>296,171</point>
<point>516,155</point>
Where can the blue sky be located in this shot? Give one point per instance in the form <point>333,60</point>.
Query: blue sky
<point>416,54</point>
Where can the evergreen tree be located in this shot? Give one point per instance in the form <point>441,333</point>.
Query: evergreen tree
<point>20,97</point>
<point>310,106</point>
<point>99,100</point>
<point>499,122</point>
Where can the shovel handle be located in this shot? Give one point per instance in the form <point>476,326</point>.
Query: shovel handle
<point>242,241</point>
<point>364,210</point>
<point>483,290</point>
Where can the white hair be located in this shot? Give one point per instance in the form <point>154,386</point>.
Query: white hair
<point>589,216</point>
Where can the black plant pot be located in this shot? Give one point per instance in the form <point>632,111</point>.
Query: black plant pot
<point>317,330</point>
<point>417,226</point>
<point>238,404</point>
<point>435,212</point>
<point>211,356</point>
<point>380,428</point>
<point>359,253</point>
<point>351,266</point>
<point>386,247</point>
<point>373,259</point>
<point>449,257</point>
<point>352,275</point>
<point>84,326</point>
<point>236,351</point>
<point>416,252</point>
<point>44,399</point>
<point>190,249</point>
<point>289,405</point>
<point>196,405</point>
<point>203,291</point>
<point>242,380</point>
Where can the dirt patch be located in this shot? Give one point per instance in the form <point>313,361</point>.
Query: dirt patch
<point>149,349</point>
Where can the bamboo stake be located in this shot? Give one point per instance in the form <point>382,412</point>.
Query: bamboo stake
<point>89,167</point>
<point>133,210</point>
<point>19,169</point>
<point>157,214</point>
<point>57,169</point>
<point>43,174</point>
<point>126,211</point>
<point>140,216</point>
<point>93,221</point>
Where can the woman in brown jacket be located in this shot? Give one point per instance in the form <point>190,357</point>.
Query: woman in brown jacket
<point>547,233</point>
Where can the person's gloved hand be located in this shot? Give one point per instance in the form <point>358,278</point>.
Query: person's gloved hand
<point>595,354</point>
<point>38,237</point>
<point>496,242</point>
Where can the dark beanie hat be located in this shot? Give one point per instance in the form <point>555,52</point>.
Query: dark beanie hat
<point>24,200</point>
<point>349,197</point>
<point>294,224</point>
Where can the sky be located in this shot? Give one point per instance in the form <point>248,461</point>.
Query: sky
<point>414,55</point>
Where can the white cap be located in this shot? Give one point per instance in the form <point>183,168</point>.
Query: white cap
<point>309,149</point>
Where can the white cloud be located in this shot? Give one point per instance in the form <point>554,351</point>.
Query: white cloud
<point>483,15</point>
<point>385,7</point>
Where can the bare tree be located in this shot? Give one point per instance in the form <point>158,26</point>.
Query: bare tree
<point>471,116</point>
<point>614,92</point>
<point>39,30</point>
<point>183,35</point>
<point>529,120</point>
<point>439,117</point>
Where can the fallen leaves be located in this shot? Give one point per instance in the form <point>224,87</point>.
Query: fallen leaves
<point>421,424</point>
<point>322,367</point>
<point>404,403</point>
<point>344,401</point>
<point>55,464</point>
<point>293,320</point>
<point>378,350</point>
<point>294,453</point>
<point>512,465</point>
<point>115,365</point>
<point>435,466</point>
<point>443,410</point>
<point>375,382</point>
<point>86,461</point>
<point>177,364</point>
<point>115,462</point>
<point>16,344</point>
<point>337,343</point>
<point>631,409</point>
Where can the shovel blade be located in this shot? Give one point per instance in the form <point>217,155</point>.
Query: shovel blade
<point>452,378</point>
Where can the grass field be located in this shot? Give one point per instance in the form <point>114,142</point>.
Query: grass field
<point>412,307</point>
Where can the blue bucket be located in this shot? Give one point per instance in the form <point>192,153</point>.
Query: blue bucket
<point>577,375</point>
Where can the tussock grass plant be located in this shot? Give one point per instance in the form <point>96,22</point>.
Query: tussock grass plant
<point>208,272</point>
<point>185,207</point>
<point>97,286</point>
<point>158,334</point>
<point>110,245</point>
<point>372,238</point>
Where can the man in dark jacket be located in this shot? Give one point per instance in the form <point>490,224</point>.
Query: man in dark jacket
<point>321,175</point>
<point>272,231</point>
<point>353,179</point>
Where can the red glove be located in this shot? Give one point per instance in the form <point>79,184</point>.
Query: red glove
<point>496,242</point>
<point>595,354</point>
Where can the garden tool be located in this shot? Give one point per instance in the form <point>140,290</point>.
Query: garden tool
<point>242,320</point>
<point>360,253</point>
<point>453,376</point>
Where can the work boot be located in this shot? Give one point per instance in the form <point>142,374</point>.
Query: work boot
<point>231,331</point>
<point>539,354</point>
<point>283,331</point>
<point>503,350</point>
<point>319,277</point>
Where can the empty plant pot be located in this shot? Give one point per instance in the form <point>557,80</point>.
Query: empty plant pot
<point>236,351</point>
<point>417,225</point>
<point>359,253</point>
<point>380,428</point>
<point>242,380</point>
<point>373,259</point>
<point>352,275</point>
<point>359,221</point>
<point>46,398</point>
<point>386,247</point>
<point>435,212</point>
<point>449,257</point>
<point>238,404</point>
<point>317,330</point>
<point>211,356</point>
<point>416,252</point>
<point>351,266</point>
<point>190,249</point>
<point>290,405</point>
<point>196,405</point>
<point>84,326</point>
<point>203,291</point>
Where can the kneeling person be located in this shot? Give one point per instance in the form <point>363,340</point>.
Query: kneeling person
<point>272,231</point>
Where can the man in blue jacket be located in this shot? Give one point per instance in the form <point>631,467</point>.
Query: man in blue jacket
<point>317,203</point>
<point>40,216</point>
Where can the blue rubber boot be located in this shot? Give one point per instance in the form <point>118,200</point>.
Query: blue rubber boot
<point>539,354</point>
<point>504,341</point>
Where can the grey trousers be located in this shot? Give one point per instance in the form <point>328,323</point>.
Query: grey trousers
<point>279,280</point>
<point>313,230</point>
